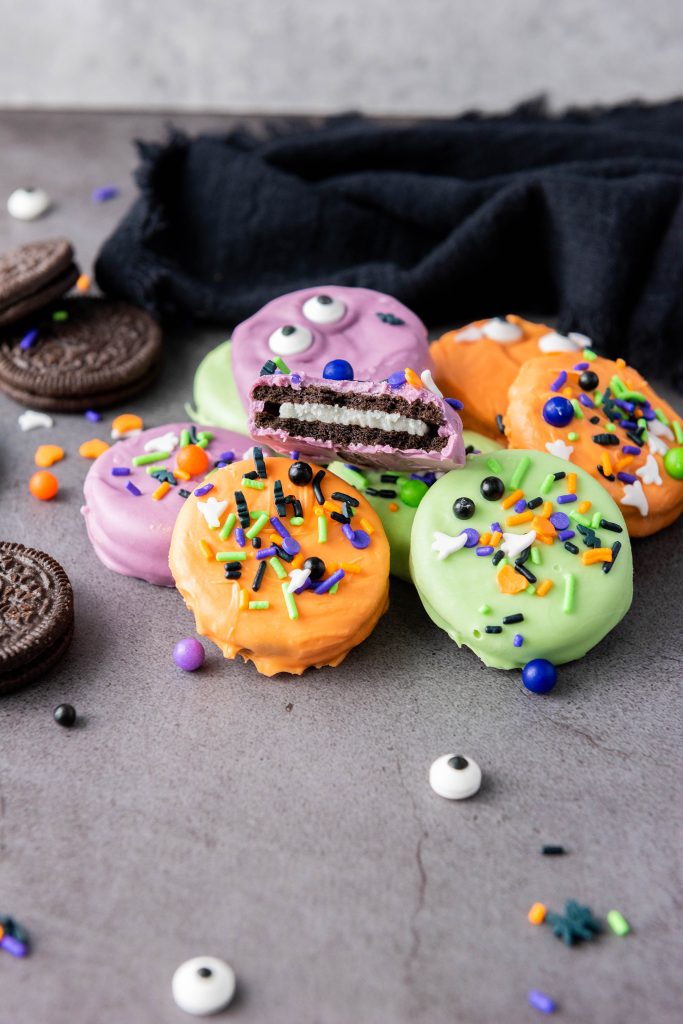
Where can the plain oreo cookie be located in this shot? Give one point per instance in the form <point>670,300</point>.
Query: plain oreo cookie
<point>36,614</point>
<point>33,276</point>
<point>103,353</point>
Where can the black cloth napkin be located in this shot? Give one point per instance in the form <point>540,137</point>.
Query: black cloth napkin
<point>578,216</point>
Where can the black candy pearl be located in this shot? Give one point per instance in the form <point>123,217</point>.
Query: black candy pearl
<point>463,508</point>
<point>589,380</point>
<point>317,567</point>
<point>65,714</point>
<point>300,473</point>
<point>492,488</point>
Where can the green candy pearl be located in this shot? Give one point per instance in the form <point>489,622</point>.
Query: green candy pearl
<point>673,463</point>
<point>411,492</point>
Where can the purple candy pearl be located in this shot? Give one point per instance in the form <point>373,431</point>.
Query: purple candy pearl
<point>188,654</point>
<point>560,520</point>
<point>472,537</point>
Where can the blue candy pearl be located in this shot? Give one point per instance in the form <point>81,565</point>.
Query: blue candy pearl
<point>539,675</point>
<point>338,369</point>
<point>558,411</point>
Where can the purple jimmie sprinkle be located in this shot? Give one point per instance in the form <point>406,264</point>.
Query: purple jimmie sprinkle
<point>585,400</point>
<point>93,416</point>
<point>565,499</point>
<point>520,505</point>
<point>628,406</point>
<point>130,486</point>
<point>455,403</point>
<point>266,553</point>
<point>484,551</point>
<point>566,535</point>
<point>628,424</point>
<point>630,449</point>
<point>582,366</point>
<point>120,471</point>
<point>227,456</point>
<point>395,381</point>
<point>517,640</point>
<point>204,489</point>
<point>627,478</point>
<point>323,587</point>
<point>102,195</point>
<point>238,535</point>
<point>279,526</point>
<point>13,945</point>
<point>496,528</point>
<point>28,340</point>
<point>291,546</point>
<point>649,414</point>
<point>294,456</point>
<point>559,381</point>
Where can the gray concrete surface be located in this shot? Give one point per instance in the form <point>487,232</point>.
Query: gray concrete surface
<point>381,56</point>
<point>197,814</point>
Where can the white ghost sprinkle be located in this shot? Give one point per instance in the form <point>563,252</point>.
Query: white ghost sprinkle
<point>212,509</point>
<point>649,473</point>
<point>444,545</point>
<point>634,495</point>
<point>560,449</point>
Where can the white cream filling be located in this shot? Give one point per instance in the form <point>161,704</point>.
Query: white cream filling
<point>317,412</point>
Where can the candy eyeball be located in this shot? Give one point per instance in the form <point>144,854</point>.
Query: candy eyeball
<point>289,340</point>
<point>323,309</point>
<point>501,331</point>
<point>28,203</point>
<point>455,777</point>
<point>203,985</point>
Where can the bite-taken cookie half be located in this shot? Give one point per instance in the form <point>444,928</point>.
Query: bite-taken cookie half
<point>96,354</point>
<point>36,614</point>
<point>376,333</point>
<point>135,490</point>
<point>478,363</point>
<point>602,416</point>
<point>520,556</point>
<point>395,497</point>
<point>33,276</point>
<point>392,424</point>
<point>280,564</point>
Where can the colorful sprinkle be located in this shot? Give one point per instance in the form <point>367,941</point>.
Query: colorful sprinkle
<point>569,599</point>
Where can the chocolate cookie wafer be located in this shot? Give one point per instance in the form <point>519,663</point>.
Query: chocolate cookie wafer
<point>36,614</point>
<point>33,276</point>
<point>103,353</point>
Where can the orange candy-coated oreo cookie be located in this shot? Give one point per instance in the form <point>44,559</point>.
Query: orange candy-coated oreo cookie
<point>478,363</point>
<point>217,576</point>
<point>619,430</point>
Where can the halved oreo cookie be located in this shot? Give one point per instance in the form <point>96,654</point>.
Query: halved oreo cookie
<point>103,353</point>
<point>36,614</point>
<point>33,276</point>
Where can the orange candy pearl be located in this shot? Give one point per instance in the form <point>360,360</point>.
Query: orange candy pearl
<point>43,485</point>
<point>193,460</point>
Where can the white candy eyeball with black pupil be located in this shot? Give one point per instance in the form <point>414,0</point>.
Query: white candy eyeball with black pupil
<point>28,203</point>
<point>501,331</point>
<point>323,309</point>
<point>455,777</point>
<point>203,985</point>
<point>290,339</point>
